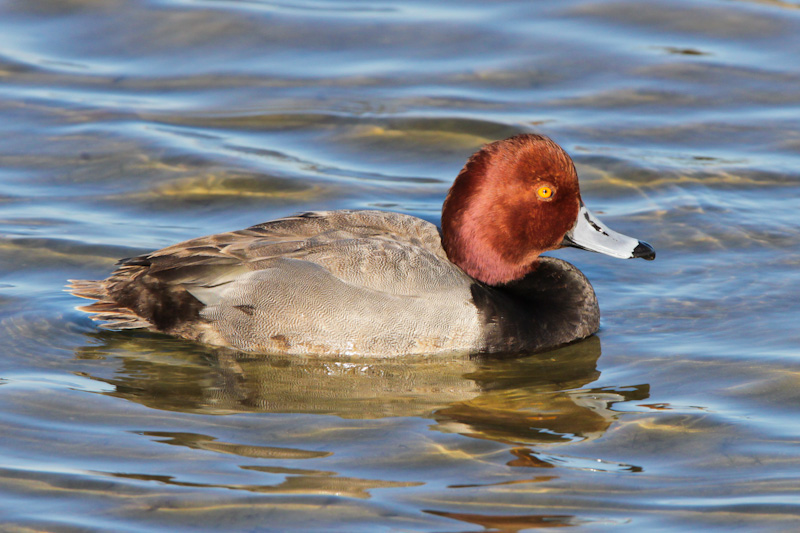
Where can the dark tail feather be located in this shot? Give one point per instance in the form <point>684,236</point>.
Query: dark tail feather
<point>89,289</point>
<point>105,310</point>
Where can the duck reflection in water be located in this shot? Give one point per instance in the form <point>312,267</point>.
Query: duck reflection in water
<point>522,402</point>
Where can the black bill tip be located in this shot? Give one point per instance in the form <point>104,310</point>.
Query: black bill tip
<point>645,251</point>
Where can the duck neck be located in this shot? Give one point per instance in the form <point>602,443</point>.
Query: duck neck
<point>477,236</point>
<point>552,305</point>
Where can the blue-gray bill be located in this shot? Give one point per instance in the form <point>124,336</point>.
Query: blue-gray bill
<point>589,233</point>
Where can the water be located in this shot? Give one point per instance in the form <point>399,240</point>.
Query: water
<point>127,126</point>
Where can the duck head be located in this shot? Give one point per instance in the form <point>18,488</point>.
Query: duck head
<point>515,199</point>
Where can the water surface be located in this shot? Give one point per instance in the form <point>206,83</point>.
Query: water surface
<point>130,125</point>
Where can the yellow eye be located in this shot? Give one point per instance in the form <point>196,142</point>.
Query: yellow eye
<point>544,192</point>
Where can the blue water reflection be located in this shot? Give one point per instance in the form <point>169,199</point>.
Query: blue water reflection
<point>128,125</point>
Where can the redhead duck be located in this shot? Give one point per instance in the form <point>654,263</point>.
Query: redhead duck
<point>381,284</point>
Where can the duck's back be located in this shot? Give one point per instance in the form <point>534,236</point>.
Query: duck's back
<point>338,282</point>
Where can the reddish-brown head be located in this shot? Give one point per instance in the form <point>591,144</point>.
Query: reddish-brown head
<point>513,200</point>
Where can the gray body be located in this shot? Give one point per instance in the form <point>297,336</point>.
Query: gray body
<point>366,283</point>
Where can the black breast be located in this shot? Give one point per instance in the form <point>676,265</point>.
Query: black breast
<point>553,305</point>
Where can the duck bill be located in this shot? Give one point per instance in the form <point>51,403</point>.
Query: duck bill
<point>589,233</point>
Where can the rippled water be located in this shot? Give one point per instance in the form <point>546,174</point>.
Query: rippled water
<point>129,125</point>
